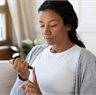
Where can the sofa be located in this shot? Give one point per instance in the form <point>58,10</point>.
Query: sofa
<point>7,77</point>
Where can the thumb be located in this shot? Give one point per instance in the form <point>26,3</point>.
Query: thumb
<point>11,61</point>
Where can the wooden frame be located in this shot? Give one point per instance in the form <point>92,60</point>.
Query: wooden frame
<point>4,6</point>
<point>4,9</point>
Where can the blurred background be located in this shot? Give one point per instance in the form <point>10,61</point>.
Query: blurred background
<point>19,25</point>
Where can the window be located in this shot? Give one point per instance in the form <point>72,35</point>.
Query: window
<point>5,24</point>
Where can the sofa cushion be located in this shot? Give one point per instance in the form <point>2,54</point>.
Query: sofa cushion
<point>7,77</point>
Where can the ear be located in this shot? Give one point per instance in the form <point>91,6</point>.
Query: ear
<point>69,27</point>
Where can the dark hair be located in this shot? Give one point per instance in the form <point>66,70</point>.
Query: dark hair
<point>66,11</point>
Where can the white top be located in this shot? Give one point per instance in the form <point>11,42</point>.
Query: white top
<point>55,72</point>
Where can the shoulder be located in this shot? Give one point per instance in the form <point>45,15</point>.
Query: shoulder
<point>86,54</point>
<point>37,49</point>
<point>86,58</point>
<point>86,72</point>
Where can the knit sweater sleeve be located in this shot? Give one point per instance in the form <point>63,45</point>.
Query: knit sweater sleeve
<point>30,58</point>
<point>86,74</point>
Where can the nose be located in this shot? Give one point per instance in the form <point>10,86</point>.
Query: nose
<point>46,30</point>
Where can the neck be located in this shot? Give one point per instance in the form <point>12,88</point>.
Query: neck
<point>57,48</point>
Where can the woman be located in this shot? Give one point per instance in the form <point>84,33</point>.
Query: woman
<point>63,66</point>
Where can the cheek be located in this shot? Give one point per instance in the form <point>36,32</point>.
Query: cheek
<point>58,30</point>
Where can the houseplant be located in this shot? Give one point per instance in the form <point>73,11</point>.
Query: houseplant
<point>27,45</point>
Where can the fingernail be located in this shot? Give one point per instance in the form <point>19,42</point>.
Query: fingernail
<point>10,60</point>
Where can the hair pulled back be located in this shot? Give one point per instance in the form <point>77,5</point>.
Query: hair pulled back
<point>66,11</point>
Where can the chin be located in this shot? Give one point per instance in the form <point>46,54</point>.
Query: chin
<point>49,43</point>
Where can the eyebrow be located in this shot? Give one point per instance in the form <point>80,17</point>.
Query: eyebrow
<point>49,21</point>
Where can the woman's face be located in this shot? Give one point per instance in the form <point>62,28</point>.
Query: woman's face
<point>52,27</point>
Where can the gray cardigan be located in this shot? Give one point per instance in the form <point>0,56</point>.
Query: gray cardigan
<point>85,72</point>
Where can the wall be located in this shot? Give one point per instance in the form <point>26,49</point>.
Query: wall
<point>87,22</point>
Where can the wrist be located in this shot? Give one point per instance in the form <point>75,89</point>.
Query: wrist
<point>23,78</point>
<point>24,75</point>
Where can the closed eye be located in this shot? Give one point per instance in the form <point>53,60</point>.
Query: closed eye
<point>42,26</point>
<point>50,25</point>
<point>53,25</point>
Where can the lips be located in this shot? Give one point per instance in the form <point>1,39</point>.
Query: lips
<point>48,39</point>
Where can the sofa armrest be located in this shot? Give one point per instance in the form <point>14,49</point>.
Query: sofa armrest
<point>7,77</point>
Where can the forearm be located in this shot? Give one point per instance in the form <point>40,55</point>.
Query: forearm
<point>16,90</point>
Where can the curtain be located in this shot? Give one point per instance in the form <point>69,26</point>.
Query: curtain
<point>21,18</point>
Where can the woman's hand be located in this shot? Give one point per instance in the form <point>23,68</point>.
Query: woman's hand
<point>32,87</point>
<point>21,66</point>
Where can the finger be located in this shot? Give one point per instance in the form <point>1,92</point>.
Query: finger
<point>28,93</point>
<point>31,93</point>
<point>20,63</point>
<point>23,88</point>
<point>27,83</point>
<point>11,61</point>
<point>34,75</point>
<point>18,67</point>
<point>25,65</point>
<point>16,63</point>
<point>22,68</point>
<point>29,88</point>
